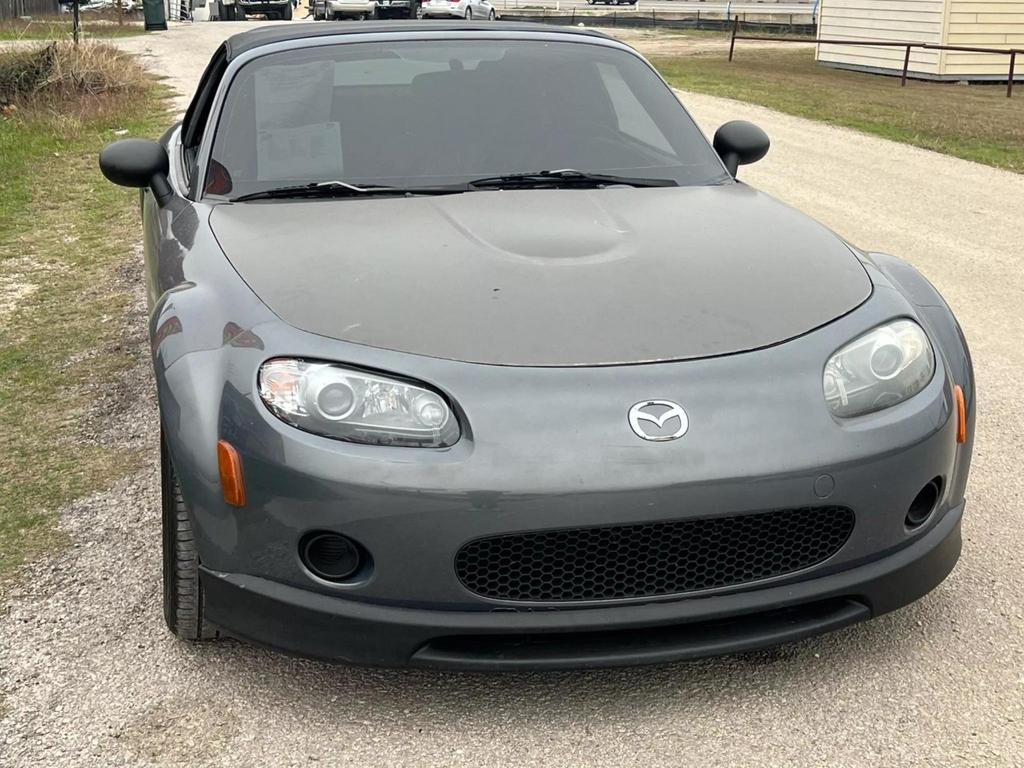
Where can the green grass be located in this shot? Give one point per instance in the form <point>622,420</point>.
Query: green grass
<point>65,234</point>
<point>60,29</point>
<point>975,122</point>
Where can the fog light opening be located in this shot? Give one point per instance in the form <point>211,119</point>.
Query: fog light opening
<point>924,503</point>
<point>330,556</point>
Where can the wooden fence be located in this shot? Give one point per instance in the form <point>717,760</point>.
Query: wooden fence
<point>12,9</point>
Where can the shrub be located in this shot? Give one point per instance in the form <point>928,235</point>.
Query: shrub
<point>62,71</point>
<point>22,71</point>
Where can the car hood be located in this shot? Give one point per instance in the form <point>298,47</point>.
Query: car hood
<point>547,277</point>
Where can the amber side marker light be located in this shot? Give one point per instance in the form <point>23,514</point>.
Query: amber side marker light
<point>232,484</point>
<point>961,414</point>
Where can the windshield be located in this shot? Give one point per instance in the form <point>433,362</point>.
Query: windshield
<point>415,113</point>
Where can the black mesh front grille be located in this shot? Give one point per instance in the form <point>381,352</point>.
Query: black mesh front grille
<point>649,559</point>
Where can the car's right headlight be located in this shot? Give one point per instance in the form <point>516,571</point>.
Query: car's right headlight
<point>357,406</point>
<point>883,367</point>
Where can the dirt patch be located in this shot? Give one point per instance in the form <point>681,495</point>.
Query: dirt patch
<point>651,42</point>
<point>176,732</point>
<point>14,286</point>
<point>122,411</point>
<point>20,277</point>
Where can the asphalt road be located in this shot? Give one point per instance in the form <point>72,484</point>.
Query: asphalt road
<point>92,678</point>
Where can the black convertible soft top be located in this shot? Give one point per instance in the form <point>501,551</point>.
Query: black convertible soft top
<point>276,33</point>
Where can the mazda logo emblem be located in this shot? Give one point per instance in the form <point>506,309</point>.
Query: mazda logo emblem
<point>658,420</point>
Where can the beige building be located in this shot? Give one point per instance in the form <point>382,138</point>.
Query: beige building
<point>978,23</point>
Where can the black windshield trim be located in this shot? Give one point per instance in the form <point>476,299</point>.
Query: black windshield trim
<point>327,189</point>
<point>568,177</point>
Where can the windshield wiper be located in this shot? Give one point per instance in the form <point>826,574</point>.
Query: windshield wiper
<point>345,189</point>
<point>567,177</point>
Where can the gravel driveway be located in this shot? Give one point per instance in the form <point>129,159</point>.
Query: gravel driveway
<point>93,679</point>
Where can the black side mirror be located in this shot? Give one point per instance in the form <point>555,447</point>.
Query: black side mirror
<point>137,163</point>
<point>739,143</point>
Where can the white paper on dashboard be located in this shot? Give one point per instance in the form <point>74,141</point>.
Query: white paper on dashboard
<point>305,153</point>
<point>291,95</point>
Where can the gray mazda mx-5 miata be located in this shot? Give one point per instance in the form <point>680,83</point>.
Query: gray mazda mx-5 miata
<point>472,352</point>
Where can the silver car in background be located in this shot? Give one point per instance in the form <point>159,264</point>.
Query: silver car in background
<point>460,9</point>
<point>330,10</point>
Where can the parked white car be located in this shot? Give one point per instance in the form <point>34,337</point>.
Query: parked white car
<point>344,9</point>
<point>100,5</point>
<point>461,9</point>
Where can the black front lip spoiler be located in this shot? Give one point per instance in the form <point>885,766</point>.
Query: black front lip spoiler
<point>313,624</point>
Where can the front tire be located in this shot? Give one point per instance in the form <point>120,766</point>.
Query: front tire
<point>183,592</point>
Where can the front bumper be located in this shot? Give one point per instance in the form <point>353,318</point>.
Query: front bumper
<point>544,449</point>
<point>308,623</point>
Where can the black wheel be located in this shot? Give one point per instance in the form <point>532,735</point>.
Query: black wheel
<point>183,594</point>
<point>287,15</point>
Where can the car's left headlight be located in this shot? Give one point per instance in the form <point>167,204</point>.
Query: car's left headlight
<point>357,406</point>
<point>883,367</point>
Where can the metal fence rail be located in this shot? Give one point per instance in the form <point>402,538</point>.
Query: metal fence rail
<point>908,46</point>
<point>13,9</point>
<point>656,18</point>
<point>721,8</point>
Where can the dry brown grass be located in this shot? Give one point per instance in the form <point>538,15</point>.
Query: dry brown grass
<point>96,25</point>
<point>62,72</point>
<point>66,236</point>
<point>975,122</point>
